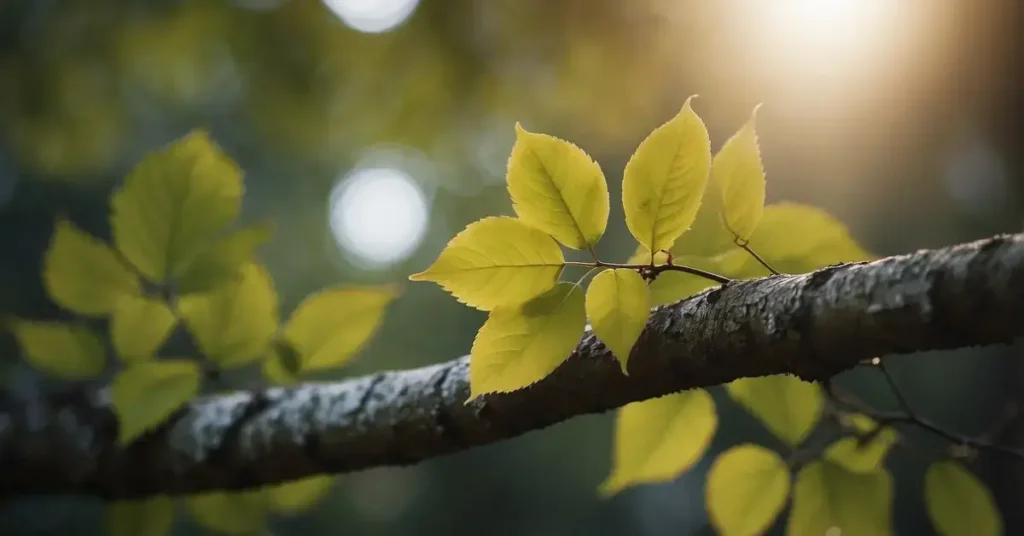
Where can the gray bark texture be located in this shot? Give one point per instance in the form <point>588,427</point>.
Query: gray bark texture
<point>814,326</point>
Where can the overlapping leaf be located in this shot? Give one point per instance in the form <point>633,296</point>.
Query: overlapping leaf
<point>61,350</point>
<point>825,496</point>
<point>139,326</point>
<point>238,513</point>
<point>747,488</point>
<point>958,503</point>
<point>787,405</point>
<point>859,456</point>
<point>739,177</point>
<point>145,394</point>
<point>83,274</point>
<point>618,304</point>
<point>222,260</point>
<point>300,495</point>
<point>144,517</point>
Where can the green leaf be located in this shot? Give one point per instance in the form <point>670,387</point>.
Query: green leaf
<point>826,495</point>
<point>496,261</point>
<point>83,274</point>
<point>298,496</point>
<point>173,204</point>
<point>618,305</point>
<point>139,327</point>
<point>958,503</point>
<point>738,173</point>
<point>146,517</point>
<point>787,405</point>
<point>234,324</point>
<point>518,346</point>
<point>746,490</point>
<point>60,350</point>
<point>656,440</point>
<point>232,513</point>
<point>145,394</point>
<point>282,364</point>
<point>665,179</point>
<point>331,326</point>
<point>862,458</point>
<point>223,260</point>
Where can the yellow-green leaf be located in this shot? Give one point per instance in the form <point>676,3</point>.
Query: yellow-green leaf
<point>60,350</point>
<point>329,327</point>
<point>558,188</point>
<point>657,440</point>
<point>295,497</point>
<point>173,203</point>
<point>223,260</point>
<point>618,305</point>
<point>746,489</point>
<point>851,454</point>
<point>234,324</point>
<point>282,364</point>
<point>518,346</point>
<point>145,517</point>
<point>83,274</point>
<point>958,503</point>
<point>739,176</point>
<point>825,496</point>
<point>787,405</point>
<point>665,179</point>
<point>147,393</point>
<point>230,513</point>
<point>496,261</point>
<point>139,326</point>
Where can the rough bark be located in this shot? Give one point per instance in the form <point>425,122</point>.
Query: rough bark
<point>814,325</point>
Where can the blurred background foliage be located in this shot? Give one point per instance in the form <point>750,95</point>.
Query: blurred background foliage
<point>371,131</point>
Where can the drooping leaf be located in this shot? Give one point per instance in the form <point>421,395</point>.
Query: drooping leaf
<point>746,490</point>
<point>852,455</point>
<point>329,327</point>
<point>298,496</point>
<point>558,188</point>
<point>656,440</point>
<point>787,405</point>
<point>958,503</point>
<point>238,513</point>
<point>223,260</point>
<point>173,203</point>
<point>618,304</point>
<point>145,517</point>
<point>144,394</point>
<point>520,345</point>
<point>737,172</point>
<point>825,496</point>
<point>235,323</point>
<point>496,261</point>
<point>665,179</point>
<point>60,350</point>
<point>83,274</point>
<point>139,326</point>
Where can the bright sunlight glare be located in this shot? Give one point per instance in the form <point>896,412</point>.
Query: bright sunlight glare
<point>372,16</point>
<point>378,214</point>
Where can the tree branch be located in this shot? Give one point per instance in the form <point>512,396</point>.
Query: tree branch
<point>814,325</point>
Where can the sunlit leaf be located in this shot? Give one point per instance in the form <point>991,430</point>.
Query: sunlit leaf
<point>139,326</point>
<point>739,177</point>
<point>665,179</point>
<point>60,350</point>
<point>147,393</point>
<point>788,406</point>
<point>235,323</point>
<point>746,490</point>
<point>959,503</point>
<point>298,496</point>
<point>496,261</point>
<point>223,260</point>
<point>329,327</point>
<point>656,440</point>
<point>240,513</point>
<point>145,517</point>
<point>173,203</point>
<point>852,455</point>
<point>707,236</point>
<point>825,496</point>
<point>558,188</point>
<point>520,345</point>
<point>618,304</point>
<point>83,274</point>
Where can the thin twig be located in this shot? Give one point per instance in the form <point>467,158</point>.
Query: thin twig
<point>655,270</point>
<point>745,246</point>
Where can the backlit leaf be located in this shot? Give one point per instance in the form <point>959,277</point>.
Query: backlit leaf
<point>496,261</point>
<point>235,323</point>
<point>147,393</point>
<point>618,305</point>
<point>520,345</point>
<point>558,188</point>
<point>223,260</point>
<point>958,503</point>
<point>298,496</point>
<point>83,274</point>
<point>139,326</point>
<point>145,517</point>
<point>665,179</point>
<point>825,496</point>
<point>656,440</point>
<point>60,350</point>
<point>854,456</point>
<point>173,203</point>
<point>329,327</point>
<point>747,488</point>
<point>231,513</point>
<point>737,172</point>
<point>788,406</point>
